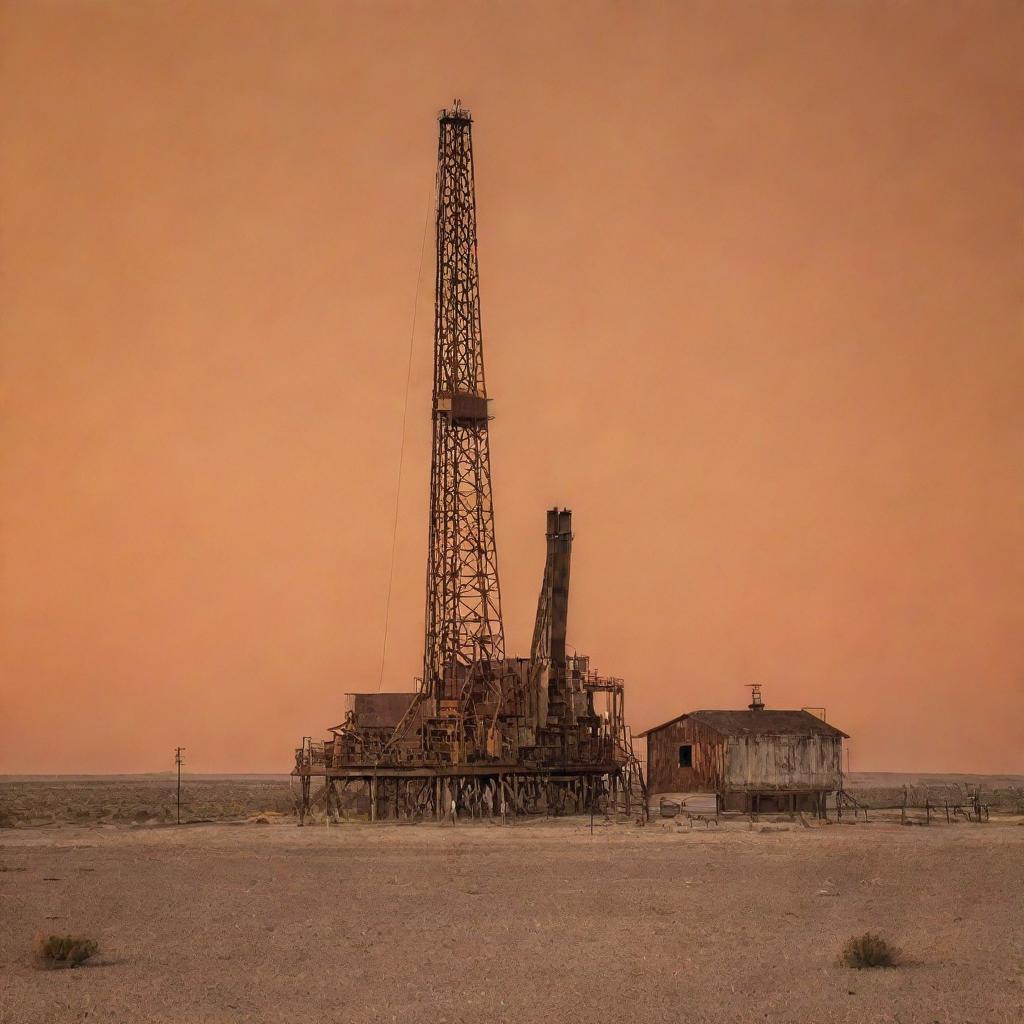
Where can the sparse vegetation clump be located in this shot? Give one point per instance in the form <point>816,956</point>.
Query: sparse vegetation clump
<point>64,950</point>
<point>869,950</point>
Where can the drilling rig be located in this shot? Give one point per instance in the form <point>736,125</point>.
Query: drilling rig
<point>483,734</point>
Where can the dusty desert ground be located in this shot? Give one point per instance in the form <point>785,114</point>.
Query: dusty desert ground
<point>533,922</point>
<point>41,800</point>
<point>34,800</point>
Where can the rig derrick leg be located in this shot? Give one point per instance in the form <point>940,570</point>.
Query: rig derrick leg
<point>303,798</point>
<point>329,797</point>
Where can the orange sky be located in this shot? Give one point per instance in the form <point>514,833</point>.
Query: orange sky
<point>752,291</point>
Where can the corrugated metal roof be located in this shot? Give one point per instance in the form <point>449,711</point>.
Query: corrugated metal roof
<point>757,723</point>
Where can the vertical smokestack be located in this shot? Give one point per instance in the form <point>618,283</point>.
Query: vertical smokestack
<point>559,555</point>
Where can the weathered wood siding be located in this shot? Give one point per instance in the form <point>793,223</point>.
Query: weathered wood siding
<point>782,762</point>
<point>724,763</point>
<point>664,775</point>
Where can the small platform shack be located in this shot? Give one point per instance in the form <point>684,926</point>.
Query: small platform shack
<point>757,760</point>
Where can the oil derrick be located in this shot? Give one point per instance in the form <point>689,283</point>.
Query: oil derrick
<point>484,733</point>
<point>463,629</point>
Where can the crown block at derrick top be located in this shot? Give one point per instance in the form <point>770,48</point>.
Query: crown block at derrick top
<point>463,407</point>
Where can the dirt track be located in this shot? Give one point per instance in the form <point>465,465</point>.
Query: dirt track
<point>538,922</point>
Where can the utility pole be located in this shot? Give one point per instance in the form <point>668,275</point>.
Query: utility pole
<point>178,761</point>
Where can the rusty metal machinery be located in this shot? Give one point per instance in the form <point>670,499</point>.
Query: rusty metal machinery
<point>484,734</point>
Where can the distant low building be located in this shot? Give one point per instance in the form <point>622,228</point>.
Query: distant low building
<point>753,760</point>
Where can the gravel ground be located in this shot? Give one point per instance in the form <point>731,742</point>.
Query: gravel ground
<point>537,922</point>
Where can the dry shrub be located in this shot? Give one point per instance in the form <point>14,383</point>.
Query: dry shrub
<point>64,950</point>
<point>869,950</point>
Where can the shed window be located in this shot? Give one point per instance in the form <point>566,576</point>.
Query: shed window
<point>686,755</point>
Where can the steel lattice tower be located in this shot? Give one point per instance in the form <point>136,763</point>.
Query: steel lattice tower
<point>463,614</point>
<point>537,735</point>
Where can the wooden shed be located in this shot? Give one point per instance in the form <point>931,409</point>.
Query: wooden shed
<point>753,760</point>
